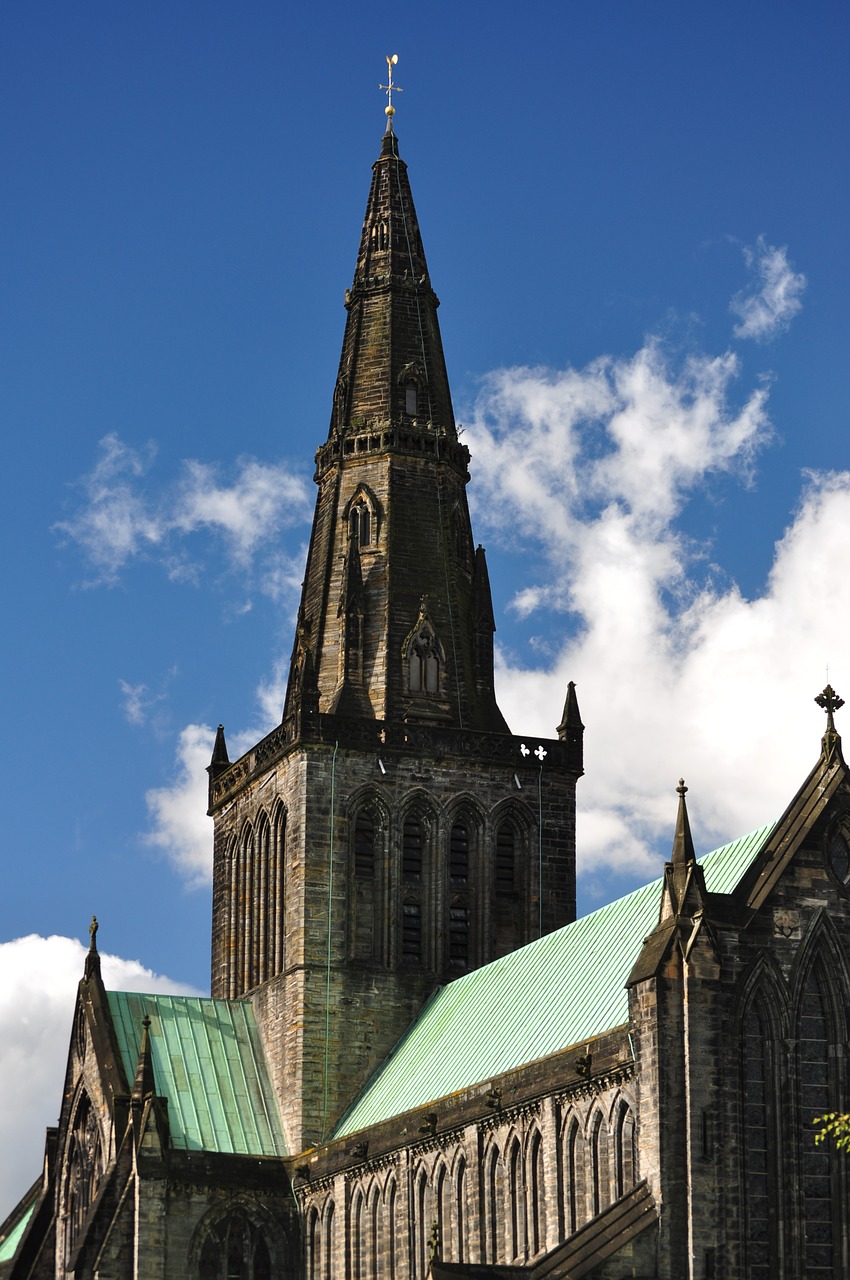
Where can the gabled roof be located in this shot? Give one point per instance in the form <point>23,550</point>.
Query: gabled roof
<point>208,1063</point>
<point>558,991</point>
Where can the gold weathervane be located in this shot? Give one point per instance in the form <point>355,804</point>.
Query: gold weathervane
<point>390,89</point>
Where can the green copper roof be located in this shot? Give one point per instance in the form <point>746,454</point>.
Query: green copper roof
<point>9,1246</point>
<point>558,991</point>
<point>208,1062</point>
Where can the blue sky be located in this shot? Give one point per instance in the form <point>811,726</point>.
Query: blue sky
<point>635,217</point>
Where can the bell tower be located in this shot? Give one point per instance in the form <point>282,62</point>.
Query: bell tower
<point>391,833</point>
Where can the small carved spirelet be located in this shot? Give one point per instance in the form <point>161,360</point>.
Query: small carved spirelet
<point>390,88</point>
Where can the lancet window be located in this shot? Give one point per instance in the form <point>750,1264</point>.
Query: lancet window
<point>572,1176</point>
<point>506,897</point>
<point>535,1197</point>
<point>366,897</point>
<point>813,1048</point>
<point>625,1150</point>
<point>759,1180</point>
<point>360,522</point>
<point>601,1185</point>
<point>493,1217</point>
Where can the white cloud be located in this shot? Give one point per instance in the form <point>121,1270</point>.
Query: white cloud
<point>38,983</point>
<point>769,305</point>
<point>591,470</point>
<point>180,826</point>
<point>123,516</point>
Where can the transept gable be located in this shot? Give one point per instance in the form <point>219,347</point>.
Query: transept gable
<point>825,792</point>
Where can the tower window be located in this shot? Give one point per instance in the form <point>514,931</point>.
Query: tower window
<point>459,855</point>
<point>505,861</point>
<point>360,523</point>
<point>411,399</point>
<point>364,847</point>
<point>411,933</point>
<point>424,665</point>
<point>459,935</point>
<point>412,844</point>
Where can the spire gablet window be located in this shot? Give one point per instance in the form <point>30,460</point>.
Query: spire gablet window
<point>424,656</point>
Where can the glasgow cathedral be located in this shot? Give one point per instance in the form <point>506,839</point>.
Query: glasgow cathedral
<point>416,1062</point>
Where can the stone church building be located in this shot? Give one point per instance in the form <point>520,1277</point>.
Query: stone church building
<point>415,1061</point>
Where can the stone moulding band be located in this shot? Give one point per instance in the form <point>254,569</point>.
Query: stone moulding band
<point>385,737</point>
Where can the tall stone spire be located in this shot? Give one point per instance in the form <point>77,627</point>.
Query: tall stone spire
<point>392,500</point>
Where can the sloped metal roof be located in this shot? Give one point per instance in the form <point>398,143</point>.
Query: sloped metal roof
<point>558,991</point>
<point>208,1062</point>
<point>9,1244</point>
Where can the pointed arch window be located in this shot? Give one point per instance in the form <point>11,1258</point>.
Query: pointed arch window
<point>507,904</point>
<point>573,1177</point>
<point>505,860</point>
<point>492,1208</point>
<point>364,846</point>
<point>459,855</point>
<point>535,1194</point>
<point>515,1195</point>
<point>412,848</point>
<point>817,1163</point>
<point>84,1169</point>
<point>366,900</point>
<point>277,881</point>
<point>423,665</point>
<point>388,1224</point>
<point>236,1248</point>
<point>459,935</point>
<point>423,655</point>
<point>600,1168</point>
<point>360,522</point>
<point>625,1152</point>
<point>422,1219</point>
<point>411,933</point>
<point>460,1211</point>
<point>759,1157</point>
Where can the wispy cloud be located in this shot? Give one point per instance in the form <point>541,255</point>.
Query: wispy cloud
<point>124,515</point>
<point>768,306</point>
<point>591,469</point>
<point>41,974</point>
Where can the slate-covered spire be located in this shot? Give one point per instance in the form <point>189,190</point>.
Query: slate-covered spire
<point>392,367</point>
<point>392,526</point>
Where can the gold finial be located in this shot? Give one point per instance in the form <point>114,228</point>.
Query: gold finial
<point>390,88</point>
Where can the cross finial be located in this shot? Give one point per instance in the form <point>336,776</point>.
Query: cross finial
<point>390,88</point>
<point>830,702</point>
